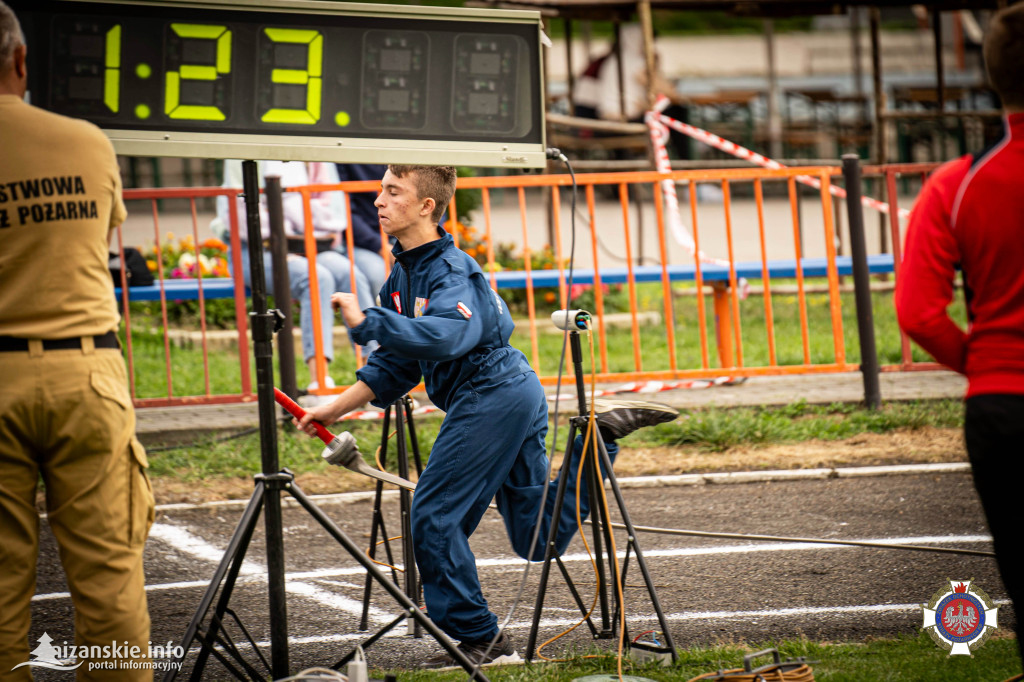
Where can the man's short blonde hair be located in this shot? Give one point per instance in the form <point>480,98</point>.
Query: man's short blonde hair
<point>435,182</point>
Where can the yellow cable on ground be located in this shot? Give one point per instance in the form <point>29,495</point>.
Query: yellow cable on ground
<point>384,563</point>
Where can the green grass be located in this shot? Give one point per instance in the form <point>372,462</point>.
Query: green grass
<point>901,659</point>
<point>718,429</point>
<point>188,372</point>
<point>704,430</point>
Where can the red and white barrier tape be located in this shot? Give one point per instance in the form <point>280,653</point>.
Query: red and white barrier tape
<point>659,136</point>
<point>632,387</point>
<point>656,387</point>
<point>736,150</point>
<point>379,414</point>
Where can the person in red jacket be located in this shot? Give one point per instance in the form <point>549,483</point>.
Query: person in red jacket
<point>970,216</point>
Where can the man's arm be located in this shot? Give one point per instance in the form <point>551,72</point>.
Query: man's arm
<point>450,327</point>
<point>352,397</point>
<point>924,288</point>
<point>389,376</point>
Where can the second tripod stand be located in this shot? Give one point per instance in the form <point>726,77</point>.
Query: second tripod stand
<point>406,443</point>
<point>597,462</point>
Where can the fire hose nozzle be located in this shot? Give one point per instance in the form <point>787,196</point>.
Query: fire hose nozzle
<point>341,449</point>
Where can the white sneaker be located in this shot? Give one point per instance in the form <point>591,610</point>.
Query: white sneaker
<point>312,400</point>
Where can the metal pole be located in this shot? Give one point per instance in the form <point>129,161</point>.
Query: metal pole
<point>774,122</point>
<point>282,287</point>
<point>940,79</point>
<point>881,141</point>
<point>643,10</point>
<point>861,282</point>
<point>940,72</point>
<point>263,351</point>
<point>570,73</point>
<point>619,71</point>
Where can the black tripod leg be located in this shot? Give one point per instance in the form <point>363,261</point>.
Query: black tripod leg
<point>377,523</point>
<point>410,607</point>
<point>576,595</point>
<point>599,528</point>
<point>648,581</point>
<point>233,557</point>
<point>413,441</point>
<point>549,546</point>
<point>412,588</point>
<point>365,644</point>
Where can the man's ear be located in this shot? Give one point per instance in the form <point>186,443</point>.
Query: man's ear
<point>428,206</point>
<point>19,61</point>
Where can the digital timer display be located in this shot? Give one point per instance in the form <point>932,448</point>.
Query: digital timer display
<point>364,79</point>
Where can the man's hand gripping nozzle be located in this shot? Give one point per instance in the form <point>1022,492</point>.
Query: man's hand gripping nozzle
<point>341,450</point>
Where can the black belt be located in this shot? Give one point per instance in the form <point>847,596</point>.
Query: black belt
<point>14,343</point>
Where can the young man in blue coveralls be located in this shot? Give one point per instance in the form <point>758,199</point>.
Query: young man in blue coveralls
<point>439,320</point>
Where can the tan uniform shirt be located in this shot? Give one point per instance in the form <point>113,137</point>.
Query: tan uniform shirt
<point>60,195</point>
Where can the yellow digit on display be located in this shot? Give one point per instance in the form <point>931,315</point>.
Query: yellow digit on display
<point>311,76</point>
<point>112,72</point>
<point>207,72</point>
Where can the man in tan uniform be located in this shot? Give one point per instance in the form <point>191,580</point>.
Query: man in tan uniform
<point>65,410</point>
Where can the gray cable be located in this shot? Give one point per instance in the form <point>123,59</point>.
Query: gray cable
<point>782,538</point>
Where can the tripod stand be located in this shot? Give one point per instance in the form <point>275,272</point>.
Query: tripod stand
<point>596,459</point>
<point>267,496</point>
<point>403,421</point>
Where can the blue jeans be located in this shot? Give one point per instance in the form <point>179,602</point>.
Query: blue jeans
<point>331,274</point>
<point>371,273</point>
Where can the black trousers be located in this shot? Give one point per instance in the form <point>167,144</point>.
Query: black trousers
<point>994,431</point>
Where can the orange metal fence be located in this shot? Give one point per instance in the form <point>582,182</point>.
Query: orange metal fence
<point>776,230</point>
<point>198,289</point>
<point>889,175</point>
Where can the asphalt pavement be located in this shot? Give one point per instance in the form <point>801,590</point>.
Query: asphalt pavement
<point>710,590</point>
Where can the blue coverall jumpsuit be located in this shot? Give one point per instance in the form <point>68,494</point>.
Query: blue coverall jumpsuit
<point>439,319</point>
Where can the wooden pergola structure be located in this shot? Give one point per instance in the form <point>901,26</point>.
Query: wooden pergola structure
<point>619,11</point>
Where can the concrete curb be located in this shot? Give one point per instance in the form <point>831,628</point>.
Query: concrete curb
<point>725,478</point>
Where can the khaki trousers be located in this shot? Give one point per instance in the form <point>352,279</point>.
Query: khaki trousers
<point>66,415</point>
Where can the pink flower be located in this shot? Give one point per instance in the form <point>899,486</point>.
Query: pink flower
<point>578,289</point>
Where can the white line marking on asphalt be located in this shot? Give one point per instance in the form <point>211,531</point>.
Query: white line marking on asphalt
<point>212,554</point>
<point>673,617</point>
<point>187,543</point>
<point>334,600</point>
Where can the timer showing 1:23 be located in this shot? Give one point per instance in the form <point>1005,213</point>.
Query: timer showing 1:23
<point>190,77</point>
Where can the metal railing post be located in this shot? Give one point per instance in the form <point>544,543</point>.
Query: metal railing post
<point>282,287</point>
<point>861,282</point>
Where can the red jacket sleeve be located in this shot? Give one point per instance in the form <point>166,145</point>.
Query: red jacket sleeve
<point>924,287</point>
